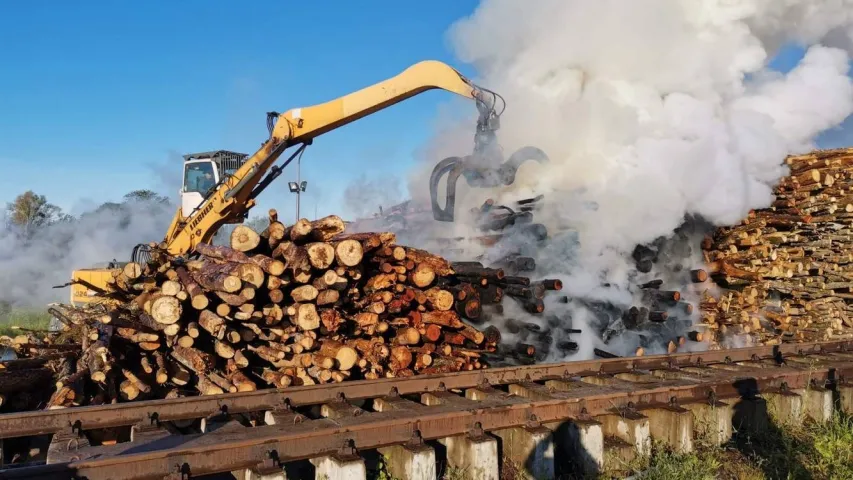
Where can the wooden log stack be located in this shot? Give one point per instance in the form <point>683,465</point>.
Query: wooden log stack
<point>785,273</point>
<point>292,305</point>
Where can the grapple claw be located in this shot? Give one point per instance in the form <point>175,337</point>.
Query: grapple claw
<point>479,173</point>
<point>523,154</point>
<point>141,254</point>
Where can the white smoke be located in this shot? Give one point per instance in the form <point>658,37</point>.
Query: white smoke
<point>363,197</point>
<point>30,268</point>
<point>652,109</point>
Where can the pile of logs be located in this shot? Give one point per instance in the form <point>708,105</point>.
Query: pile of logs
<point>26,383</point>
<point>293,305</point>
<point>513,239</point>
<point>786,272</point>
<point>658,319</point>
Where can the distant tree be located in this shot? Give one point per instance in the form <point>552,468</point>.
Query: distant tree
<point>110,210</point>
<point>109,207</point>
<point>30,211</point>
<point>145,196</point>
<point>63,218</point>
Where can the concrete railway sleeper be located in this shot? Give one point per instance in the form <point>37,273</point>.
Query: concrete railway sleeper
<point>542,419</point>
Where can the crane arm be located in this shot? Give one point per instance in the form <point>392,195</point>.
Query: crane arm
<point>235,195</point>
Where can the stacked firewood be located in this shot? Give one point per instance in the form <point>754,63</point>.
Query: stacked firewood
<point>298,305</point>
<point>786,272</point>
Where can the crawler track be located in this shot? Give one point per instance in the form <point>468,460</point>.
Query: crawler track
<point>263,430</point>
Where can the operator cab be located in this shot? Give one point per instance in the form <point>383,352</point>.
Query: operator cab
<point>203,172</point>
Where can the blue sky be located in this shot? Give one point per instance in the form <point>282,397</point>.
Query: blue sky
<point>100,99</point>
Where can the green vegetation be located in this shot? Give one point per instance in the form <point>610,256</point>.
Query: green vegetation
<point>706,463</point>
<point>31,211</point>
<point>807,451</point>
<point>455,473</point>
<point>35,319</point>
<point>382,472</point>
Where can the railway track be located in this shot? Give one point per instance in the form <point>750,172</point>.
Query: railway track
<point>545,419</point>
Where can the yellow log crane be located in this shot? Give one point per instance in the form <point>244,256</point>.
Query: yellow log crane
<point>221,187</point>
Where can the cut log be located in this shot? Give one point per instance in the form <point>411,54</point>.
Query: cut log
<point>268,264</point>
<point>439,299</point>
<point>348,253</point>
<point>344,355</point>
<point>161,375</point>
<point>244,239</point>
<point>407,336</point>
<point>221,382</point>
<point>212,323</point>
<point>299,232</point>
<point>198,299</point>
<point>223,349</point>
<point>295,258</point>
<point>379,282</point>
<point>205,386</point>
<point>421,257</point>
<point>331,319</point>
<point>321,255</point>
<point>221,252</point>
<point>449,319</point>
<point>132,270</point>
<point>211,277</point>
<point>166,310</point>
<point>304,293</point>
<point>242,382</point>
<point>195,360</point>
<point>307,317</point>
<point>274,233</point>
<point>327,297</point>
<point>422,276</point>
<point>326,228</point>
<point>401,358</point>
<point>251,274</point>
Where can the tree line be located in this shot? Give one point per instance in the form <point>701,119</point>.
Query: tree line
<point>30,212</point>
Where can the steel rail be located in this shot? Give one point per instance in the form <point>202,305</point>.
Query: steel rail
<point>226,451</point>
<point>124,414</point>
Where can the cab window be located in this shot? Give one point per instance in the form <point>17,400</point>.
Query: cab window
<point>199,177</point>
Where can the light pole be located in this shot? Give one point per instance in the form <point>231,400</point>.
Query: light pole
<point>298,186</point>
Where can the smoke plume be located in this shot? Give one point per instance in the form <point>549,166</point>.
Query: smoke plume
<point>364,196</point>
<point>651,111</point>
<point>31,267</point>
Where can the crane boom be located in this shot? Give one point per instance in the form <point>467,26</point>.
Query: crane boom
<point>235,194</point>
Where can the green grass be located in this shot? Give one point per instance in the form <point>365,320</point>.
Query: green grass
<point>702,464</point>
<point>36,319</point>
<point>807,451</point>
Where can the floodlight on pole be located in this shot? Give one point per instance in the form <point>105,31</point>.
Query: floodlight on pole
<point>298,186</point>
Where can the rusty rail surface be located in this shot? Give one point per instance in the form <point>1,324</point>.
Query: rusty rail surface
<point>373,414</point>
